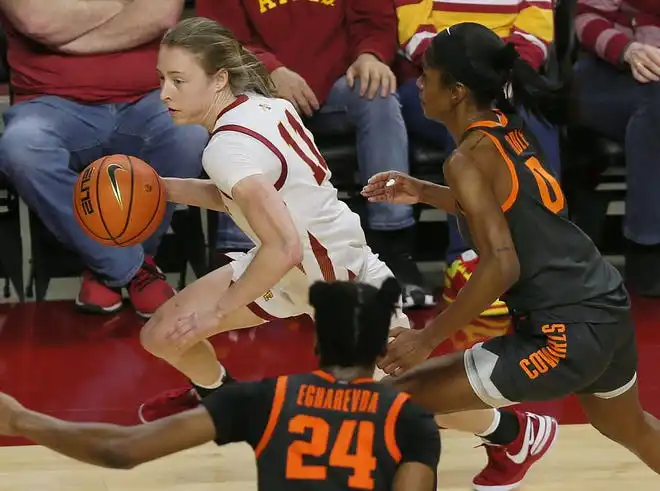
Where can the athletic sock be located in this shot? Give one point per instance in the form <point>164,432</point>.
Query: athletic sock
<point>205,390</point>
<point>504,430</point>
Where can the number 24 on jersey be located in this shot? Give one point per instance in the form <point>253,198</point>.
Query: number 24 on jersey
<point>361,462</point>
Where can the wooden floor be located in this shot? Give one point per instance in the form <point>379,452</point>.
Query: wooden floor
<point>581,460</point>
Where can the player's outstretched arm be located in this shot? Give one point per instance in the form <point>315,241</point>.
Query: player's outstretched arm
<point>399,188</point>
<point>107,445</point>
<point>193,192</point>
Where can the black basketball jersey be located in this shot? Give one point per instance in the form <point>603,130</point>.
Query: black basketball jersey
<point>311,432</point>
<point>559,264</point>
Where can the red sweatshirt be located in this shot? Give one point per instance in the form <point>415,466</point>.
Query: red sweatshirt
<point>319,39</point>
<point>606,27</point>
<point>35,70</point>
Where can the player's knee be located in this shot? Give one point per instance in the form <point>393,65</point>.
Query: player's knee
<point>627,432</point>
<point>624,435</point>
<point>153,337</point>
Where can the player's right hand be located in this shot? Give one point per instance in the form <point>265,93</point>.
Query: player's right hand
<point>294,89</point>
<point>9,409</point>
<point>191,328</point>
<point>393,187</point>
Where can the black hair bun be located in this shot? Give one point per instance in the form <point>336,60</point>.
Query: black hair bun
<point>506,57</point>
<point>324,294</point>
<point>390,291</point>
<point>319,293</point>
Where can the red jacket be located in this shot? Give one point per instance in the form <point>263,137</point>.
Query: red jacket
<point>35,70</point>
<point>319,39</point>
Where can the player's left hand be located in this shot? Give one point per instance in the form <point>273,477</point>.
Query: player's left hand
<point>9,409</point>
<point>409,347</point>
<point>193,328</point>
<point>373,74</point>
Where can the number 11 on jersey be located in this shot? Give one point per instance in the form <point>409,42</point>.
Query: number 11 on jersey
<point>315,161</point>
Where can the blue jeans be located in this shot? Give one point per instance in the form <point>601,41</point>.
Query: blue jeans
<point>382,144</point>
<point>49,140</point>
<point>436,134</point>
<point>614,104</point>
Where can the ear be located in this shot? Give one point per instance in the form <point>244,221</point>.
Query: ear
<point>458,93</point>
<point>221,79</point>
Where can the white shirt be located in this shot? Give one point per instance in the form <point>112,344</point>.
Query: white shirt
<point>260,135</point>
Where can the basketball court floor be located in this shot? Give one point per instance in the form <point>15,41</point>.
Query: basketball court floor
<point>581,461</point>
<point>89,368</point>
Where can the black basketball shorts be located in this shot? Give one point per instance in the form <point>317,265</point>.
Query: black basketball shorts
<point>542,362</point>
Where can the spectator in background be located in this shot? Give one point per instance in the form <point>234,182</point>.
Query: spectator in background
<point>331,60</point>
<point>83,75</point>
<point>618,88</point>
<point>527,25</point>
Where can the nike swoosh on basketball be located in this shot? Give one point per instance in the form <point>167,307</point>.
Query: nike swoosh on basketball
<point>112,170</point>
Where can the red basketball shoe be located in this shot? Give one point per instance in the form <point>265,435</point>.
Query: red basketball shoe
<point>168,403</point>
<point>508,464</point>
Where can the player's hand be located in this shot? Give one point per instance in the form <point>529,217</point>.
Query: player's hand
<point>410,347</point>
<point>393,187</point>
<point>294,89</point>
<point>9,409</point>
<point>644,61</point>
<point>192,328</point>
<point>373,75</point>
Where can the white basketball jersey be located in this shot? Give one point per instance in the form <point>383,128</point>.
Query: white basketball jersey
<point>260,135</point>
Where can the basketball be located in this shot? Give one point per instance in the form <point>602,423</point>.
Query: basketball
<point>119,200</point>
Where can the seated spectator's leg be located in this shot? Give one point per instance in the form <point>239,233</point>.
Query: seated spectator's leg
<point>642,220</point>
<point>47,141</point>
<point>145,129</point>
<point>382,145</point>
<point>548,139</point>
<point>607,97</point>
<point>614,104</point>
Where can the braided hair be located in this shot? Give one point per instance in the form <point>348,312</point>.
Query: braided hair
<point>352,321</point>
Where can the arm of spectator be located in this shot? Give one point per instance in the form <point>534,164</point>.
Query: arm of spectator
<point>55,22</point>
<point>138,23</point>
<point>597,31</point>
<point>372,29</point>
<point>231,14</point>
<point>533,31</point>
<point>416,28</point>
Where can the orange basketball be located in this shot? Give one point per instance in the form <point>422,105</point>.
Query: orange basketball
<point>119,200</point>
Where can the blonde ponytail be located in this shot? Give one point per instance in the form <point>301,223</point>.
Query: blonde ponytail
<point>258,78</point>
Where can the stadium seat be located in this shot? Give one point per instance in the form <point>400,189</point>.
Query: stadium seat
<point>11,245</point>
